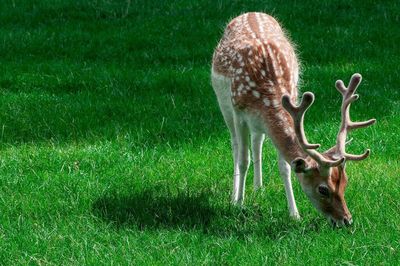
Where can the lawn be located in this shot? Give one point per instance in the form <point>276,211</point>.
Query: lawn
<point>114,151</point>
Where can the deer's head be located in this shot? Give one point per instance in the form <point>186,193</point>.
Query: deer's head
<point>322,175</point>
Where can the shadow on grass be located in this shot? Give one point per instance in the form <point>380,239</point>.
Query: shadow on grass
<point>147,211</point>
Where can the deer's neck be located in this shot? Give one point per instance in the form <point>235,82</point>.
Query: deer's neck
<point>280,129</point>
<point>288,147</point>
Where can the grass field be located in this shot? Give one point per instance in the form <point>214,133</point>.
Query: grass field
<point>114,151</point>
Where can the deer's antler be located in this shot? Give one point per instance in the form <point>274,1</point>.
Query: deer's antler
<point>347,124</point>
<point>297,113</point>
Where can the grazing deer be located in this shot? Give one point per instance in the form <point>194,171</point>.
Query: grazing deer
<point>255,74</point>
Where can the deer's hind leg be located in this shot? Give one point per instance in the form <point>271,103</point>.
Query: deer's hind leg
<point>243,160</point>
<point>222,88</point>
<point>257,140</point>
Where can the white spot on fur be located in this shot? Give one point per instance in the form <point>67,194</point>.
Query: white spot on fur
<point>266,102</point>
<point>275,103</point>
<point>271,89</point>
<point>270,83</point>
<point>256,94</point>
<point>252,84</point>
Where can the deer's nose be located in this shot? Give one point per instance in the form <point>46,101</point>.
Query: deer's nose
<point>348,221</point>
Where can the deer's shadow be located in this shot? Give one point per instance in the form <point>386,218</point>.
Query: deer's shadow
<point>148,211</point>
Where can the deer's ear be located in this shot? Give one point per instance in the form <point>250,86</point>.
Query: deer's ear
<point>299,165</point>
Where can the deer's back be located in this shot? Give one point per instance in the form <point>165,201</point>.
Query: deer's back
<point>260,61</point>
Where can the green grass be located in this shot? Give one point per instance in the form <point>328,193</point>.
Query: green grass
<point>113,149</point>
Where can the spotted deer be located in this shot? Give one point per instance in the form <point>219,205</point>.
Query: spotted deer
<point>255,74</point>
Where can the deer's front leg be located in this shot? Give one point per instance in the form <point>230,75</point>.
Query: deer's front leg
<point>242,136</point>
<point>284,169</point>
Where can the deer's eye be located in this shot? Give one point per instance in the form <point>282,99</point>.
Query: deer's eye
<point>323,190</point>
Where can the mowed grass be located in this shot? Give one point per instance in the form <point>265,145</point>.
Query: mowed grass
<point>114,151</point>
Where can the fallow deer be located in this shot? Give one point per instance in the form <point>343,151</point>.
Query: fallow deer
<point>255,75</point>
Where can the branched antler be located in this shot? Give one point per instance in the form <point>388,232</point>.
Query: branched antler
<point>297,113</point>
<point>347,124</point>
